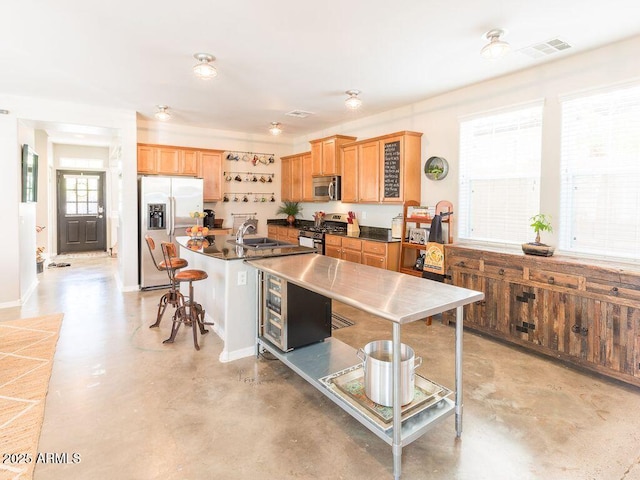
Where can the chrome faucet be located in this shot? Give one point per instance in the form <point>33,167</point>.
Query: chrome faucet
<point>242,229</point>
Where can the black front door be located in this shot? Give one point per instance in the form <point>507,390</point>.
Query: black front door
<point>81,213</point>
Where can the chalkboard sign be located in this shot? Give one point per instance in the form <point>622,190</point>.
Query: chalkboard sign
<point>392,170</point>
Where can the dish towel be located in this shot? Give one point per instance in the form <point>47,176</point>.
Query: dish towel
<point>435,232</point>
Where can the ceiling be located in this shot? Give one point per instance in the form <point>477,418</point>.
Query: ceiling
<point>283,55</point>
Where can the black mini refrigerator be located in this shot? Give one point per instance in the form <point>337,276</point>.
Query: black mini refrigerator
<point>293,316</point>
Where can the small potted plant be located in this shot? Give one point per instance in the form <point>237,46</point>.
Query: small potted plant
<point>539,223</point>
<point>290,209</point>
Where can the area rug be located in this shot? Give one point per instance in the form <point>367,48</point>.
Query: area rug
<point>27,347</point>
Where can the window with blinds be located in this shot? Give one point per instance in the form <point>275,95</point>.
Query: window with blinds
<point>500,175</point>
<point>600,173</point>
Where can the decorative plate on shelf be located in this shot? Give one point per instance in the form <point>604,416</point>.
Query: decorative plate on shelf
<point>436,168</point>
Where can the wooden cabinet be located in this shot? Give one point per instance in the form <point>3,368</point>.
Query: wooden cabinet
<point>283,233</point>
<point>307,179</point>
<point>367,252</point>
<point>190,161</point>
<point>563,307</point>
<point>292,177</point>
<point>285,174</point>
<point>325,154</point>
<point>368,179</point>
<point>211,172</point>
<point>349,161</point>
<point>147,159</point>
<point>380,254</point>
<point>383,169</point>
<point>169,160</point>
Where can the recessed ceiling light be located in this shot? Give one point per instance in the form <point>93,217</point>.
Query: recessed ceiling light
<point>203,69</point>
<point>353,102</point>
<point>162,113</point>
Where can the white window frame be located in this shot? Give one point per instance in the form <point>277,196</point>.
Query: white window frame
<point>497,200</point>
<point>600,173</point>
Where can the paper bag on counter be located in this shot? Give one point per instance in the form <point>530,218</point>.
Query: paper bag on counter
<point>434,258</point>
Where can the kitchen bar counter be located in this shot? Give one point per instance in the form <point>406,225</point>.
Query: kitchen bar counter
<point>222,248</point>
<point>229,293</point>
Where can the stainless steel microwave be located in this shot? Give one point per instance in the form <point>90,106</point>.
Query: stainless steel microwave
<point>326,188</point>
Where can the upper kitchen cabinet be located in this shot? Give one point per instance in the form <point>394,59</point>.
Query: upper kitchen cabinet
<point>307,178</point>
<point>349,161</point>
<point>147,159</point>
<point>382,170</point>
<point>325,154</point>
<point>168,160</point>
<point>293,182</point>
<point>211,169</point>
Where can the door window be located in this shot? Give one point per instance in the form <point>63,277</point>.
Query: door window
<point>81,194</point>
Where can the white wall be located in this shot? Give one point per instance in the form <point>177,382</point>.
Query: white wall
<point>438,117</point>
<point>26,110</point>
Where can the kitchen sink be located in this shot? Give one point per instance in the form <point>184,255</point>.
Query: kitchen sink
<point>262,242</point>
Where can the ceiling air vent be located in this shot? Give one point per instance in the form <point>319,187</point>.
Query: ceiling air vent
<point>545,48</point>
<point>298,114</point>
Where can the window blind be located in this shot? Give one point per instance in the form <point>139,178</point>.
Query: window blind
<point>499,187</point>
<point>600,173</point>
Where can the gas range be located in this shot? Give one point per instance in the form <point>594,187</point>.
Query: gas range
<point>333,223</point>
<point>313,236</point>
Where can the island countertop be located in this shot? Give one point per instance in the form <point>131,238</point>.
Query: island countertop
<point>221,247</point>
<point>394,296</point>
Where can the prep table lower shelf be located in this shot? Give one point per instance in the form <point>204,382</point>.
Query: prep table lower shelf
<point>317,361</point>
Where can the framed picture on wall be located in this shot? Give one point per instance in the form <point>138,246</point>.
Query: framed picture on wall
<point>418,236</point>
<point>29,174</point>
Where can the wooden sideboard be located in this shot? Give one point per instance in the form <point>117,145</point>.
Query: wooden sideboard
<point>585,313</point>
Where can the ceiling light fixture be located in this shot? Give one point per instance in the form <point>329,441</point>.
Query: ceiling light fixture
<point>275,129</point>
<point>496,48</point>
<point>204,69</point>
<point>162,113</point>
<point>353,102</point>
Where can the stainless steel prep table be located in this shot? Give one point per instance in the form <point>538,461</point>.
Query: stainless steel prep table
<point>394,296</point>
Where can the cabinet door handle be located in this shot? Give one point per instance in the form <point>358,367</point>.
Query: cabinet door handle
<point>575,328</point>
<point>460,264</point>
<point>614,291</point>
<point>584,331</point>
<point>551,281</point>
<point>501,271</point>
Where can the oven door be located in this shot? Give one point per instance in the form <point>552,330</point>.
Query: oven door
<point>311,243</point>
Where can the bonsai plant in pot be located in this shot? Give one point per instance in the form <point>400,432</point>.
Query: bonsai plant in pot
<point>540,223</point>
<point>290,209</point>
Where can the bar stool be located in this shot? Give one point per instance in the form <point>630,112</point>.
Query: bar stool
<point>189,311</point>
<point>172,297</point>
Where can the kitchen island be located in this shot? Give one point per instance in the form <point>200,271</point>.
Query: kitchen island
<point>229,294</point>
<point>393,296</point>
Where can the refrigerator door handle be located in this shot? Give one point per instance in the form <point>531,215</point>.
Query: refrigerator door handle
<point>173,218</point>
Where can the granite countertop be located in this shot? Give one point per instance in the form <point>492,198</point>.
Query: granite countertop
<point>375,234</point>
<point>223,248</point>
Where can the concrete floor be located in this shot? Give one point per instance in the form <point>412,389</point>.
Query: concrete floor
<point>134,408</point>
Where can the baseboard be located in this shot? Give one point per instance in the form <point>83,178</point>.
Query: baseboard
<point>226,356</point>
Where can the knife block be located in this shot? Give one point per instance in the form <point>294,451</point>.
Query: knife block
<point>353,229</point>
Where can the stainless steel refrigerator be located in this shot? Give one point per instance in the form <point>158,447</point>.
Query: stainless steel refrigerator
<point>164,207</point>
